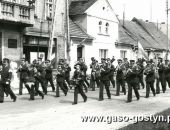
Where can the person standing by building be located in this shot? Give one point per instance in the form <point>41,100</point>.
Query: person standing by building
<point>105,81</point>
<point>49,75</point>
<point>131,78</point>
<point>78,78</point>
<point>161,72</point>
<point>60,79</point>
<point>6,75</point>
<point>149,71</point>
<point>23,70</point>
<point>120,77</point>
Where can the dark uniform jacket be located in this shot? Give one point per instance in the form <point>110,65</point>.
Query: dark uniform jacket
<point>41,70</point>
<point>131,76</point>
<point>105,74</point>
<point>67,71</point>
<point>120,74</point>
<point>78,77</point>
<point>150,74</point>
<point>61,76</point>
<point>48,73</point>
<point>167,70</point>
<point>23,72</point>
<point>161,70</point>
<point>6,74</point>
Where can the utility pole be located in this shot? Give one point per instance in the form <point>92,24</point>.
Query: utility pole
<point>167,13</point>
<point>50,46</point>
<point>67,31</point>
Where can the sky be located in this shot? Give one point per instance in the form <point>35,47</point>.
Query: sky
<point>152,10</point>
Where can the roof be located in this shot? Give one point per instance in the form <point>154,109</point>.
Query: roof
<point>77,31</point>
<point>146,33</point>
<point>80,6</point>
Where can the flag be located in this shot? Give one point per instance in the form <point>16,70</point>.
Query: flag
<point>141,52</point>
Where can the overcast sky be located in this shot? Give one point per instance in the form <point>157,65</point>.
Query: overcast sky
<point>141,9</point>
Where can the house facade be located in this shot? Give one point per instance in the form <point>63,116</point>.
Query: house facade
<point>97,19</point>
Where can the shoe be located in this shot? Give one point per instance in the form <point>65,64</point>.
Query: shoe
<point>66,94</point>
<point>146,97</point>
<point>85,100</point>
<point>109,97</point>
<point>1,101</point>
<point>42,96</point>
<point>20,93</point>
<point>31,99</point>
<point>74,103</point>
<point>53,90</point>
<point>157,92</point>
<point>138,98</point>
<point>154,94</point>
<point>117,95</point>
<point>14,99</point>
<point>128,101</point>
<point>100,99</point>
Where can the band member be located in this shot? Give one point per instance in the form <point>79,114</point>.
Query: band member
<point>161,71</point>
<point>105,82</point>
<point>120,77</point>
<point>140,74</point>
<point>112,71</point>
<point>32,76</point>
<point>78,78</point>
<point>150,78</point>
<point>23,69</point>
<point>40,78</point>
<point>93,73</point>
<point>67,73</point>
<point>6,75</point>
<point>49,75</point>
<point>60,79</point>
<point>131,78</point>
<point>167,72</point>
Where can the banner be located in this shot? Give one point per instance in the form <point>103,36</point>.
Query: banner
<point>141,52</point>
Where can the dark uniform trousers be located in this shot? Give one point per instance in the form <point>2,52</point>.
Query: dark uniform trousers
<point>167,77</point>
<point>7,88</point>
<point>34,88</point>
<point>140,78</point>
<point>60,85</point>
<point>120,82</point>
<point>106,84</point>
<point>23,81</point>
<point>51,83</point>
<point>79,89</point>
<point>134,86</point>
<point>41,80</point>
<point>163,83</point>
<point>111,78</point>
<point>150,85</point>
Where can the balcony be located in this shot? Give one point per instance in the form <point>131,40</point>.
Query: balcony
<point>15,13</point>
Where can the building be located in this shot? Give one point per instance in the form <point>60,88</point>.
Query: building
<point>152,39</point>
<point>97,19</point>
<point>14,17</point>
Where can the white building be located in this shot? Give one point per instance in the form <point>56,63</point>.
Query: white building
<point>97,19</point>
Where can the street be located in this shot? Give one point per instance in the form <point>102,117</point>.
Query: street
<point>58,113</point>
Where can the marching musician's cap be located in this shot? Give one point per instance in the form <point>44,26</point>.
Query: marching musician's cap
<point>119,60</point>
<point>23,59</point>
<point>124,58</point>
<point>47,61</point>
<point>6,59</point>
<point>92,58</point>
<point>103,59</point>
<point>151,60</point>
<point>132,60</point>
<point>159,58</point>
<point>108,59</point>
<point>39,58</point>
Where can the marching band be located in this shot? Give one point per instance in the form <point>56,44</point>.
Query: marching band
<point>103,75</point>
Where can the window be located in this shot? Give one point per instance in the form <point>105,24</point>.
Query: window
<point>100,27</point>
<point>107,28</point>
<point>49,8</point>
<point>8,9</point>
<point>12,43</point>
<point>103,53</point>
<point>123,54</point>
<point>24,13</point>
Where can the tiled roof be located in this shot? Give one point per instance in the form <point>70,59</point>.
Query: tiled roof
<point>77,31</point>
<point>144,32</point>
<point>80,6</point>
